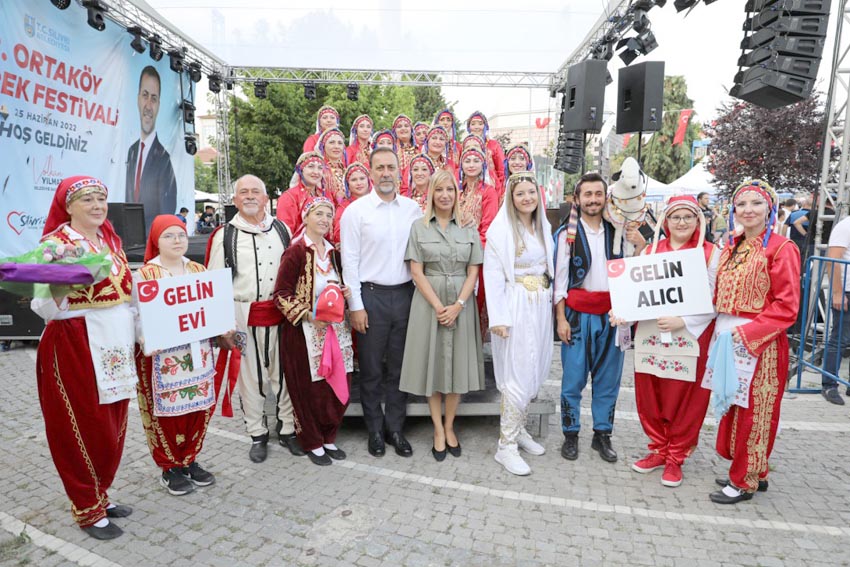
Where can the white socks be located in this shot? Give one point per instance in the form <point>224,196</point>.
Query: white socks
<point>318,452</point>
<point>102,523</point>
<point>330,446</point>
<point>731,491</point>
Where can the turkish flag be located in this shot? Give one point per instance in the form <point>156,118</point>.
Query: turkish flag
<point>542,122</point>
<point>682,129</point>
<point>626,139</point>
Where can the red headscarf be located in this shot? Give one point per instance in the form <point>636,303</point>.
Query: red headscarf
<point>158,226</point>
<point>690,204</point>
<point>58,215</point>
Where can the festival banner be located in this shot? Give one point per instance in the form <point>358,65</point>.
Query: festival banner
<point>659,285</point>
<point>70,104</point>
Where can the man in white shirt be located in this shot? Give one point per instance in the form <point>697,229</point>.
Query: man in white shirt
<point>581,312</point>
<point>839,336</point>
<point>373,232</point>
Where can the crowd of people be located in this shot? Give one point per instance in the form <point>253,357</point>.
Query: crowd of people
<point>436,247</point>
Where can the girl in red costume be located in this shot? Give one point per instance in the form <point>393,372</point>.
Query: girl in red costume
<point>359,147</point>
<point>420,130</point>
<point>446,119</point>
<point>436,147</point>
<point>176,402</point>
<point>756,299</point>
<point>85,370</point>
<point>310,172</point>
<point>357,184</point>
<point>477,124</point>
<point>403,130</point>
<point>671,403</point>
<point>332,147</point>
<point>518,159</point>
<point>418,179</point>
<point>326,118</point>
<point>384,139</point>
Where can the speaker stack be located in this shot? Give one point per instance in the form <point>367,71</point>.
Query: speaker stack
<point>640,97</point>
<point>584,99</point>
<point>783,45</point>
<point>128,219</point>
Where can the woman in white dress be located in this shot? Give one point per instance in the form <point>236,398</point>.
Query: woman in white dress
<point>518,270</point>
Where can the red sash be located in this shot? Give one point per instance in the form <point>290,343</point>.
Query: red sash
<point>264,314</point>
<point>221,365</point>
<point>593,302</point>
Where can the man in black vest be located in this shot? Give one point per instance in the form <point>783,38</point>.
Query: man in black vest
<point>582,300</point>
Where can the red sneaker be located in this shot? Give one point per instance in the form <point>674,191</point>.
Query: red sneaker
<point>672,475</point>
<point>649,463</point>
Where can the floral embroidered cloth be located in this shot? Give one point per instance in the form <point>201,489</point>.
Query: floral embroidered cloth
<point>315,339</point>
<point>745,363</point>
<point>178,386</point>
<point>676,360</point>
<point>112,339</point>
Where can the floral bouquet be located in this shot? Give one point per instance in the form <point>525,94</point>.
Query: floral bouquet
<point>53,269</point>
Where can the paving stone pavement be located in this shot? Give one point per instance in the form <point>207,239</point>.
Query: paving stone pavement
<point>417,512</point>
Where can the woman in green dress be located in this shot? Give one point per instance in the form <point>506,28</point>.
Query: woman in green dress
<point>442,354</point>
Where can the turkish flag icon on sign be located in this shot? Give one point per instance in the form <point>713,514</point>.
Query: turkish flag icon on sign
<point>148,291</point>
<point>616,268</point>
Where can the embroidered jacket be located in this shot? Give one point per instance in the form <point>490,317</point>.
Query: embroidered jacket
<point>294,289</point>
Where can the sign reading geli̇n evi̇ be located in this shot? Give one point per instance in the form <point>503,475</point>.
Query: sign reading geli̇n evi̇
<point>184,309</point>
<point>660,285</point>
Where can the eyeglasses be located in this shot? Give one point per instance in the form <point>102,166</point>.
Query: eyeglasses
<point>684,219</point>
<point>175,236</point>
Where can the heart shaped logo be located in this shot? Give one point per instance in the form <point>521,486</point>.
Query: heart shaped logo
<point>616,268</point>
<point>9,221</point>
<point>148,290</point>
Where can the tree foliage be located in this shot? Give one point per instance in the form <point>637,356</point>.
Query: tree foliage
<point>206,178</point>
<point>660,159</point>
<point>267,135</point>
<point>781,146</point>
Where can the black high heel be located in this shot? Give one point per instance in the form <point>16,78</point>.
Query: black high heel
<point>439,456</point>
<point>455,451</point>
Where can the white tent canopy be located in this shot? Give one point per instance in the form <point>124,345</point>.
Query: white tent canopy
<point>657,191</point>
<point>696,180</point>
<point>202,197</point>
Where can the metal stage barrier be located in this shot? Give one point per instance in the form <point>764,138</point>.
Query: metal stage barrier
<point>824,330</point>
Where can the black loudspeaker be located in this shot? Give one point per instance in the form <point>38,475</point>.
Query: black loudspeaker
<point>129,222</point>
<point>786,40</point>
<point>229,212</point>
<point>584,97</point>
<point>17,320</point>
<point>640,97</point>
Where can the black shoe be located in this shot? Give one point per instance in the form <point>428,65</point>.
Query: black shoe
<point>602,443</point>
<point>198,476</point>
<point>439,456</point>
<point>118,511</point>
<point>763,484</point>
<point>290,441</point>
<point>720,497</point>
<point>321,460</point>
<point>259,448</point>
<point>847,391</point>
<point>455,451</point>
<point>397,440</point>
<point>336,454</point>
<point>109,531</point>
<point>569,450</point>
<point>376,445</point>
<point>175,483</point>
<point>832,396</point>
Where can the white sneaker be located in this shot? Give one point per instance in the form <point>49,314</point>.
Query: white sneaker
<point>509,458</point>
<point>529,445</point>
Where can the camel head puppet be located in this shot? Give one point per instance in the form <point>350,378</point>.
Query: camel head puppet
<point>626,202</point>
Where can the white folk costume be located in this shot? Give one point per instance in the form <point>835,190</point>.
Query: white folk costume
<point>253,252</point>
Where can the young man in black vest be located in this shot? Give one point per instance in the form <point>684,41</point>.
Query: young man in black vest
<point>582,250</point>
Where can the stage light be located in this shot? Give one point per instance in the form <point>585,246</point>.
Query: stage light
<point>155,47</point>
<point>191,144</point>
<point>94,11</point>
<point>188,112</point>
<point>310,91</point>
<point>138,44</point>
<point>603,50</point>
<point>195,71</point>
<point>175,60</point>
<point>260,88</point>
<point>639,45</point>
<point>215,83</point>
<point>684,4</point>
<point>61,4</point>
<point>641,21</point>
<point>353,91</point>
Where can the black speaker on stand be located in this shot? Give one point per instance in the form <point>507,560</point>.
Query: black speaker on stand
<point>584,96</point>
<point>640,99</point>
<point>129,222</point>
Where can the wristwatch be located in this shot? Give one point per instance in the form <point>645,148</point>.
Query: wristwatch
<point>462,303</point>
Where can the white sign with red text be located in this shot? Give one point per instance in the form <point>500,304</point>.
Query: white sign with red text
<point>658,285</point>
<point>184,309</point>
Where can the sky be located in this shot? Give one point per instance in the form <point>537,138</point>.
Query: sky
<point>475,35</point>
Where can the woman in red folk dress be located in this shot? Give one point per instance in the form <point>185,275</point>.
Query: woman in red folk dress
<point>436,147</point>
<point>84,368</point>
<point>403,130</point>
<point>326,118</point>
<point>359,141</point>
<point>420,130</point>
<point>446,119</point>
<point>176,393</point>
<point>417,179</point>
<point>384,139</point>
<point>357,184</point>
<point>332,147</point>
<point>316,354</point>
<point>478,205</point>
<point>518,159</point>
<point>477,124</point>
<point>310,170</point>
<point>671,402</point>
<point>756,299</point>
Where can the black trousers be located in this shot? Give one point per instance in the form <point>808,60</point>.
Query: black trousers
<point>388,308</point>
